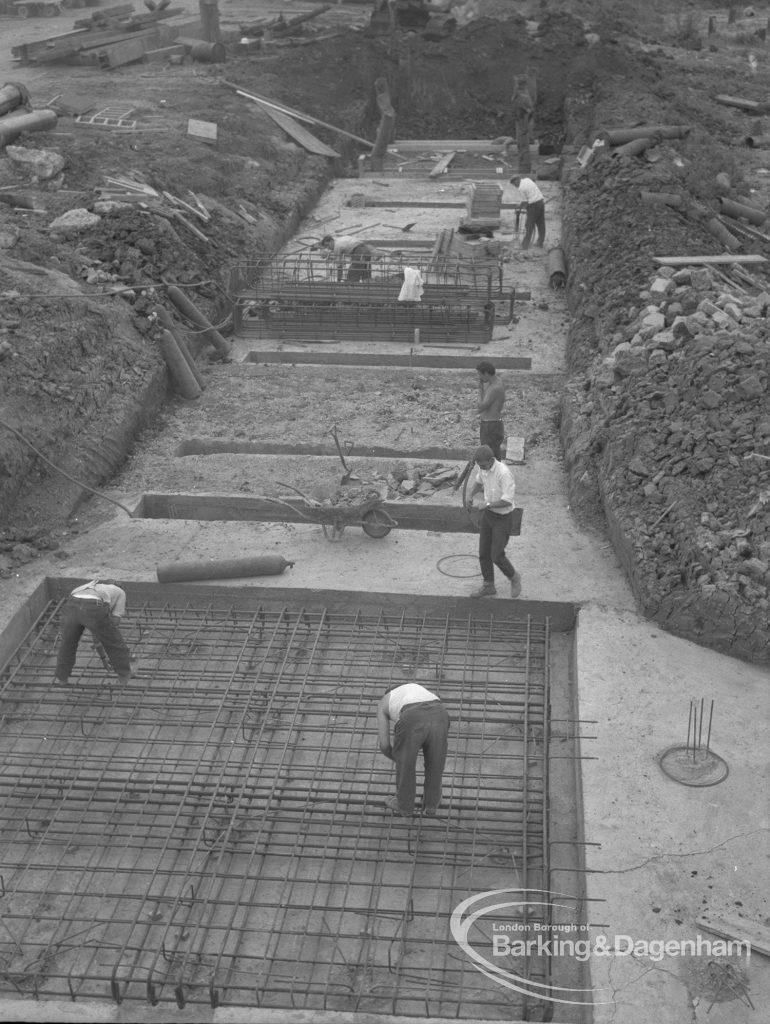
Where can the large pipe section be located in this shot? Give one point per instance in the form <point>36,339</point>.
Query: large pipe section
<point>636,147</point>
<point>620,136</point>
<point>230,568</point>
<point>662,198</point>
<point>716,228</point>
<point>730,208</point>
<point>13,95</point>
<point>13,125</point>
<point>557,267</point>
<point>191,311</point>
<point>164,317</point>
<point>178,368</point>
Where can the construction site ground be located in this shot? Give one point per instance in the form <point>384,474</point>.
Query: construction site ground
<point>659,855</point>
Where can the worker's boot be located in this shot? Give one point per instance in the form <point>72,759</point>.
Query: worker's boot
<point>391,802</point>
<point>485,590</point>
<point>515,584</point>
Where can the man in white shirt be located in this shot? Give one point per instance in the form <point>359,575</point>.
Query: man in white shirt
<point>420,723</point>
<point>534,204</point>
<point>97,607</point>
<point>496,481</point>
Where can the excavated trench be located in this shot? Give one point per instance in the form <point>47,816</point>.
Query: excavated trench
<point>212,836</point>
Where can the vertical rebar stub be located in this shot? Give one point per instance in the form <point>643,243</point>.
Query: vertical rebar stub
<point>695,763</point>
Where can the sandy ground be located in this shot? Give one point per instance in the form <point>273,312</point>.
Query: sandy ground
<point>659,854</point>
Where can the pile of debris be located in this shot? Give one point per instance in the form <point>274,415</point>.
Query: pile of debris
<point>109,38</point>
<point>680,421</point>
<point>422,481</point>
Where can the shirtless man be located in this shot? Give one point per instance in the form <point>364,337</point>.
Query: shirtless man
<point>358,254</point>
<point>490,409</point>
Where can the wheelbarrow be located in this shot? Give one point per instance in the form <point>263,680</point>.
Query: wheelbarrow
<point>333,517</point>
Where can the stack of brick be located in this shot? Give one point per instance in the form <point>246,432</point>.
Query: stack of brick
<point>485,200</point>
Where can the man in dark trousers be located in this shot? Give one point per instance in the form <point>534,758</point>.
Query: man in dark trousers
<point>490,408</point>
<point>496,482</point>
<point>97,607</point>
<point>420,722</point>
<point>533,202</point>
<point>358,254</point>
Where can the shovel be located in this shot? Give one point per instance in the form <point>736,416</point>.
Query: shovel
<point>348,472</point>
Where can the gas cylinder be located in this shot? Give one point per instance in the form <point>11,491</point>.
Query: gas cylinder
<point>231,568</point>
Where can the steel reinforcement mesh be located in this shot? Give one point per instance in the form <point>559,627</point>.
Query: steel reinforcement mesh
<point>215,833</point>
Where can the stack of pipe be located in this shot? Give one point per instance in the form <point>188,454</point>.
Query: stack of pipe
<point>12,96</point>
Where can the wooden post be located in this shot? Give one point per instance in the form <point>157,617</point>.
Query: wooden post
<point>387,124</point>
<point>731,15</point>
<point>712,26</point>
<point>209,12</point>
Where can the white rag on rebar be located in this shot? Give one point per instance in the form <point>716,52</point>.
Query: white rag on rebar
<point>412,288</point>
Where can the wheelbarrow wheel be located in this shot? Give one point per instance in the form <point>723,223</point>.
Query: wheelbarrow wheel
<point>376,523</point>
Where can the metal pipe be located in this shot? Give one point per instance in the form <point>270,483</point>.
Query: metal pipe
<point>557,267</point>
<point>636,147</point>
<point>621,136</point>
<point>191,311</point>
<point>178,366</point>
<point>13,95</point>
<point>165,318</point>
<point>752,214</point>
<point>662,198</point>
<point>716,228</point>
<point>13,125</point>
<point>233,568</point>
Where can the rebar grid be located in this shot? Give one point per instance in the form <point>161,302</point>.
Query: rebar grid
<point>268,276</point>
<point>458,322</point>
<point>214,832</point>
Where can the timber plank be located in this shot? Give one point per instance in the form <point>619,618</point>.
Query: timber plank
<point>447,145</point>
<point>740,930</point>
<point>301,135</point>
<point>205,446</point>
<point>446,362</point>
<point>687,261</point>
<point>442,165</point>
<point>737,101</point>
<point>424,203</point>
<point>202,446</point>
<point>237,508</point>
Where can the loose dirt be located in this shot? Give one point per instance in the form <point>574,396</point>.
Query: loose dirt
<point>83,374</point>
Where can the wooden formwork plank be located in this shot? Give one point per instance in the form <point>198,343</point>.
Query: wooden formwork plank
<point>237,508</point>
<point>301,135</point>
<point>407,358</point>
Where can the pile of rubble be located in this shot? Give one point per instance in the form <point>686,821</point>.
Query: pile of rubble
<point>681,425</point>
<point>406,481</point>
